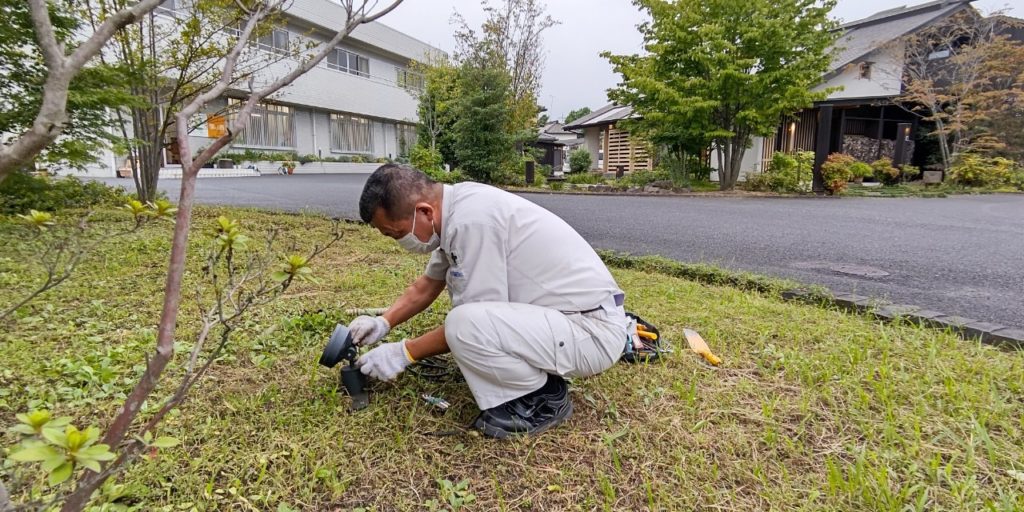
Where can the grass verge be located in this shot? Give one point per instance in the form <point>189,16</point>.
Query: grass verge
<point>812,409</point>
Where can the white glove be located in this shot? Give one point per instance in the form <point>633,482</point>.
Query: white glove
<point>368,330</point>
<point>384,362</point>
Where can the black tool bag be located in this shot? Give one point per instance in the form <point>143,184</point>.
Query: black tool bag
<point>639,349</point>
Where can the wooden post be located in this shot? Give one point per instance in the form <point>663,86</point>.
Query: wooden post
<point>902,134</point>
<point>607,134</point>
<point>881,124</point>
<point>529,172</point>
<point>824,134</point>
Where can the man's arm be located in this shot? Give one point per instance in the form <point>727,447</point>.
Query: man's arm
<point>430,344</point>
<point>420,294</point>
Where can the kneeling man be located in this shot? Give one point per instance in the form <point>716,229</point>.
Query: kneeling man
<point>532,301</point>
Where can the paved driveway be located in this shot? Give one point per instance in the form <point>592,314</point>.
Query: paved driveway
<point>960,255</point>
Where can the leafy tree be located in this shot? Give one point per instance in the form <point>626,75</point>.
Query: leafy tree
<point>64,61</point>
<point>437,107</point>
<point>576,114</point>
<point>964,77</point>
<point>723,71</point>
<point>483,145</point>
<point>92,95</point>
<point>510,39</point>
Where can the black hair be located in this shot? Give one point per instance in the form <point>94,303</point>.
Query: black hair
<point>395,188</point>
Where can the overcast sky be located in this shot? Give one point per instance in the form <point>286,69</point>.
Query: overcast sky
<point>574,74</point>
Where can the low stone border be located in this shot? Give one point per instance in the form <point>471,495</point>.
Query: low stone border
<point>967,328</point>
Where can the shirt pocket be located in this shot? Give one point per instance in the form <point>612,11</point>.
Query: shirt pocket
<point>456,281</point>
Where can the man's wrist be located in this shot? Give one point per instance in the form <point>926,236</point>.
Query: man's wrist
<point>405,349</point>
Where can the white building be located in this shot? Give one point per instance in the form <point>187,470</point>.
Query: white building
<point>358,101</point>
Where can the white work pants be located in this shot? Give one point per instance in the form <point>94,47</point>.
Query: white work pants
<point>505,350</point>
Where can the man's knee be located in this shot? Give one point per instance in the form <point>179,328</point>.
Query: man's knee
<point>464,323</point>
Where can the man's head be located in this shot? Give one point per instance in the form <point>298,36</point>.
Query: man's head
<point>395,196</point>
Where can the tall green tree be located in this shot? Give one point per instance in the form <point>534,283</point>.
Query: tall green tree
<point>724,71</point>
<point>436,107</point>
<point>510,39</point>
<point>483,145</point>
<point>93,94</point>
<point>576,114</point>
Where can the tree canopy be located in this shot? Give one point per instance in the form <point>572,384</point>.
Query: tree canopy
<point>718,72</point>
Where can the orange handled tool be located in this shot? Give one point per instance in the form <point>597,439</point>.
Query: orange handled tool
<point>698,345</point>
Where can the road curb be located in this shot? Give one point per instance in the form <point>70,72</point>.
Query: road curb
<point>967,328</point>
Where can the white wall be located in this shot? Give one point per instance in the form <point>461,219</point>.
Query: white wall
<point>885,80</point>
<point>751,162</point>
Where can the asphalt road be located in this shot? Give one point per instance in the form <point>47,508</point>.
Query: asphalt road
<point>961,255</point>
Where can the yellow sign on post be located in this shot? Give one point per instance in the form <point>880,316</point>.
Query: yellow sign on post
<point>216,126</point>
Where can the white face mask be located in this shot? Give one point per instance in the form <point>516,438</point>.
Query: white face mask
<point>410,243</point>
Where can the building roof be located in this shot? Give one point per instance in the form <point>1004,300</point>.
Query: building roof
<point>555,128</point>
<point>863,36</point>
<point>331,17</point>
<point>607,114</point>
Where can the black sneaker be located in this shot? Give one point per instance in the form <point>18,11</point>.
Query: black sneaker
<point>529,414</point>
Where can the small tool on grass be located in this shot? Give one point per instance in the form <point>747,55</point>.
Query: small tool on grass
<point>699,346</point>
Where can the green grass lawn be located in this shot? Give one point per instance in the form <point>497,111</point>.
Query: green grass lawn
<point>812,409</point>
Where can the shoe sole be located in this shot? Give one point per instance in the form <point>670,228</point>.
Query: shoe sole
<point>498,433</point>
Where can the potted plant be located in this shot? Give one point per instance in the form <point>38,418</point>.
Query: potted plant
<point>861,170</point>
<point>289,166</point>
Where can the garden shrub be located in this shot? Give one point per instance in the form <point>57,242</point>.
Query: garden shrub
<point>579,160</point>
<point>426,159</point>
<point>973,170</point>
<point>584,178</point>
<point>885,173</point>
<point>22,192</point>
<point>644,177</point>
<point>786,173</point>
<point>861,170</point>
<point>835,172</point>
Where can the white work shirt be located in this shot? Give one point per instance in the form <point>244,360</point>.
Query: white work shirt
<point>499,247</point>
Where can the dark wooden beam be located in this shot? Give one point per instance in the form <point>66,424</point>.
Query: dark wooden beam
<point>824,133</point>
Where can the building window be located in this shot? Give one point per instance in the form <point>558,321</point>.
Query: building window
<point>274,41</point>
<point>270,126</point>
<point>344,60</point>
<point>408,79</point>
<point>865,70</point>
<point>350,134</point>
<point>407,138</point>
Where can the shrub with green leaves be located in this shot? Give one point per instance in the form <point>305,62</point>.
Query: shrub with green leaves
<point>885,172</point>
<point>579,160</point>
<point>426,159</point>
<point>973,170</point>
<point>836,173</point>
<point>21,192</point>
<point>861,170</point>
<point>584,178</point>
<point>642,178</point>
<point>786,173</point>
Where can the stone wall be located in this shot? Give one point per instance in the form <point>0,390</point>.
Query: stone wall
<point>865,148</point>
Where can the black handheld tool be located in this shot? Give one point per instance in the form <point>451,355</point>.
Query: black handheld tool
<point>339,347</point>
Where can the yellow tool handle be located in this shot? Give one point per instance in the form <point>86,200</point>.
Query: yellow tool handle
<point>699,346</point>
<point>647,335</point>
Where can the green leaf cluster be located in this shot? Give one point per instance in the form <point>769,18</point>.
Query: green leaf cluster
<point>58,446</point>
<point>717,72</point>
